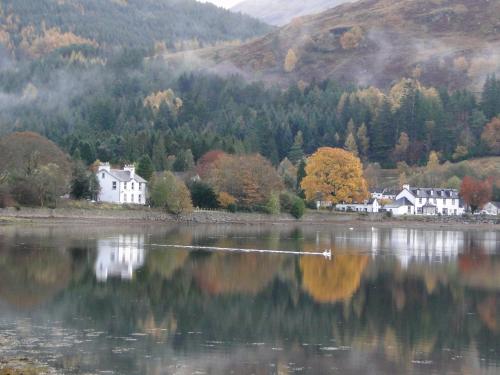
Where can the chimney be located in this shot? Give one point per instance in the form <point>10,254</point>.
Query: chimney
<point>131,169</point>
<point>406,187</point>
<point>104,167</point>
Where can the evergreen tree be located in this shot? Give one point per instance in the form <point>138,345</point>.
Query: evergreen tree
<point>296,154</point>
<point>145,167</point>
<point>383,135</point>
<point>350,144</point>
<point>490,99</point>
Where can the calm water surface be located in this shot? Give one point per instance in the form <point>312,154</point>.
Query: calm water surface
<point>91,300</point>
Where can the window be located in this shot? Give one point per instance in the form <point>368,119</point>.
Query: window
<point>124,185</point>
<point>140,186</point>
<point>124,197</point>
<point>132,186</point>
<point>420,200</point>
<point>132,198</point>
<point>103,175</point>
<point>140,198</point>
<point>114,185</point>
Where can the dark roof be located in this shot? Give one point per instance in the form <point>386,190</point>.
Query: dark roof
<point>434,193</point>
<point>428,205</point>
<point>400,202</point>
<point>124,176</point>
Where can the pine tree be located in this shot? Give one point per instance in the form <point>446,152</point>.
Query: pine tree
<point>296,154</point>
<point>350,145</point>
<point>363,140</point>
<point>490,99</point>
<point>145,167</point>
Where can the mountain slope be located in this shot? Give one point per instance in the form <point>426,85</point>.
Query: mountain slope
<point>280,12</point>
<point>455,43</point>
<point>131,23</point>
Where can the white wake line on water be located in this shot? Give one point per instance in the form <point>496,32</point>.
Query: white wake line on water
<point>327,253</point>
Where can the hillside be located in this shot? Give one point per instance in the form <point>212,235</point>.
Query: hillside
<point>453,43</point>
<point>280,12</point>
<point>35,26</point>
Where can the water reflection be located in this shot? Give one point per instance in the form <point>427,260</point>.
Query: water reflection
<point>119,256</point>
<point>391,300</point>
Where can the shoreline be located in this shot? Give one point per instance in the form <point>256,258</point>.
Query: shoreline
<point>63,216</point>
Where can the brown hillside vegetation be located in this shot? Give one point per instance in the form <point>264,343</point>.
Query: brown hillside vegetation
<point>446,42</point>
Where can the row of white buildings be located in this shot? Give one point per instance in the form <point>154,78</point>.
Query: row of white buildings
<point>414,201</point>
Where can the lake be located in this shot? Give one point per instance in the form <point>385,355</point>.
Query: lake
<point>125,300</point>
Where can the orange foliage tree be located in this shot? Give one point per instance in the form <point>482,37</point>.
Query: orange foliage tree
<point>476,193</point>
<point>335,174</point>
<point>207,161</point>
<point>491,136</point>
<point>250,179</point>
<point>331,281</point>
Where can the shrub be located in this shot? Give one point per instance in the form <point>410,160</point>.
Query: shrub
<point>298,208</point>
<point>273,204</point>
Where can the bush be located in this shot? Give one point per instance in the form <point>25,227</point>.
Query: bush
<point>298,208</point>
<point>203,195</point>
<point>273,204</point>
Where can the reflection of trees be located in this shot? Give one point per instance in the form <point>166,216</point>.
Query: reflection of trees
<point>236,273</point>
<point>31,275</point>
<point>166,262</point>
<point>331,281</point>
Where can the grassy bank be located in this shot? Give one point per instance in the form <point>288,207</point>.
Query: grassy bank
<point>147,215</point>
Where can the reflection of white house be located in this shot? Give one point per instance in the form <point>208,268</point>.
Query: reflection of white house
<point>370,206</point>
<point>121,186</point>
<point>432,201</point>
<point>119,257</point>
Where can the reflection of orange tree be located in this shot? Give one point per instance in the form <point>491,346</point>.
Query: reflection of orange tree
<point>236,273</point>
<point>331,281</point>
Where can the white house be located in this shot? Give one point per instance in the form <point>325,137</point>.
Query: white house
<point>400,207</point>
<point>121,185</point>
<point>491,208</point>
<point>369,206</point>
<point>432,201</point>
<point>119,257</point>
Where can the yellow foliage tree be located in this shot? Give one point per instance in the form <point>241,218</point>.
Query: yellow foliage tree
<point>290,61</point>
<point>332,281</point>
<point>335,174</point>
<point>352,38</point>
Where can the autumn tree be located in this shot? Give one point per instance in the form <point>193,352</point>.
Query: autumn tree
<point>476,193</point>
<point>491,136</point>
<point>363,140</point>
<point>170,193</point>
<point>335,174</point>
<point>400,152</point>
<point>206,162</point>
<point>290,61</point>
<point>250,179</point>
<point>352,38</point>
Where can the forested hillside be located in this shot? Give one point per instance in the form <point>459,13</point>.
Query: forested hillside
<point>35,27</point>
<point>452,43</point>
<point>129,107</point>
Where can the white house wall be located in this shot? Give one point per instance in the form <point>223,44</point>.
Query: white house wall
<point>107,194</point>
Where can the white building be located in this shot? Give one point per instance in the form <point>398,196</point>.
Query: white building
<point>121,186</point>
<point>119,257</point>
<point>432,201</point>
<point>369,206</point>
<point>400,207</point>
<point>491,208</point>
